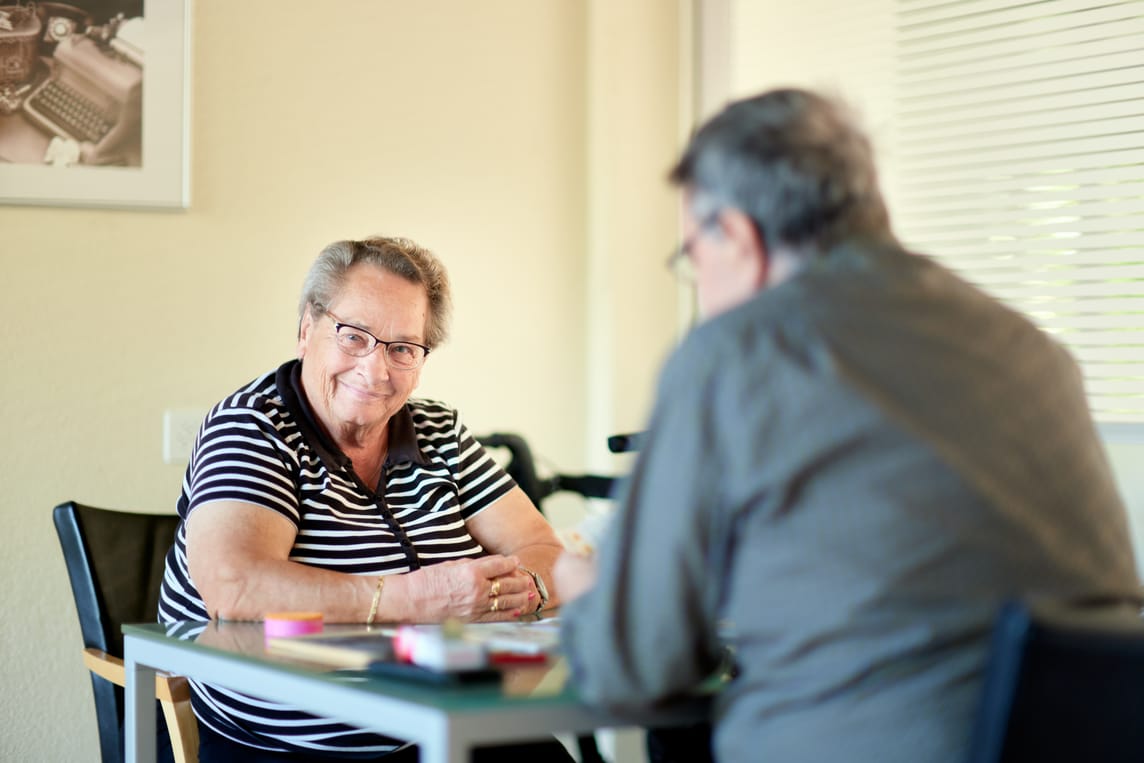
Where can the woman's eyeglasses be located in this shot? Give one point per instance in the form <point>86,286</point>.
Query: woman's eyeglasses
<point>356,341</point>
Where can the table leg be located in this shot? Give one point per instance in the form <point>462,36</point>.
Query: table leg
<point>447,749</point>
<point>139,712</point>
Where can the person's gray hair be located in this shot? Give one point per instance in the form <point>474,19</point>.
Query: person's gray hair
<point>795,163</point>
<point>399,256</point>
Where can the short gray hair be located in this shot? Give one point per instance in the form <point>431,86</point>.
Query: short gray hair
<point>795,163</point>
<point>399,256</point>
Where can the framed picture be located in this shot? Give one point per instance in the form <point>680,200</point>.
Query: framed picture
<point>94,103</point>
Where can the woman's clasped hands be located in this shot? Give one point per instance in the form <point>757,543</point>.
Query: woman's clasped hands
<point>489,589</point>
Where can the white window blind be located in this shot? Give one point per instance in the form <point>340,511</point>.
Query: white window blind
<point>1020,163</point>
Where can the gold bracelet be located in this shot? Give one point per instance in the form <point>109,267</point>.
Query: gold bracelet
<point>376,599</point>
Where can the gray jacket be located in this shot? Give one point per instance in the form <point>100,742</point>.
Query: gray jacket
<point>843,478</point>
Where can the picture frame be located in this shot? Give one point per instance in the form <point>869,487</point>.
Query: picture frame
<point>159,178</point>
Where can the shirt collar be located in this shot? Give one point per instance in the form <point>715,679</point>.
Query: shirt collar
<point>403,445</point>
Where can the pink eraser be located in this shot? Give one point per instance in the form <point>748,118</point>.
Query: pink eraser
<point>277,624</point>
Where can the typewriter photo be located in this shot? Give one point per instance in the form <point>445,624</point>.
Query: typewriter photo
<point>71,89</point>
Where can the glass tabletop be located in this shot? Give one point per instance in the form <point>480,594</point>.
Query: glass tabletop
<point>245,642</point>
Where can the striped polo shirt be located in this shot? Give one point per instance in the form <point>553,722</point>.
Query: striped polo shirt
<point>262,446</point>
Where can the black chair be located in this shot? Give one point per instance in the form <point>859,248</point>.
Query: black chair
<point>521,467</point>
<point>1064,682</point>
<point>115,562</point>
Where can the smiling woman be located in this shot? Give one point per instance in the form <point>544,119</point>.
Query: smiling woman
<point>356,391</point>
<point>323,486</point>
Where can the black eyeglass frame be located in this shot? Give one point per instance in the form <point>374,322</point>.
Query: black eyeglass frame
<point>683,251</point>
<point>340,324</point>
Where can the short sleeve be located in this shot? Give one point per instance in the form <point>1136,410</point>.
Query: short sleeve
<point>240,455</point>
<point>480,480</point>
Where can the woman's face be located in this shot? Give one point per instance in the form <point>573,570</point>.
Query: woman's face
<point>351,394</point>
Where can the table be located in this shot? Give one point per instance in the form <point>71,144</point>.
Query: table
<point>445,722</point>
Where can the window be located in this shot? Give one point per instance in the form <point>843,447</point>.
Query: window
<point>1020,163</point>
<point>1010,136</point>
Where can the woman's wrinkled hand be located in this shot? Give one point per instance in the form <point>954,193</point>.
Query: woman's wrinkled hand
<point>488,589</point>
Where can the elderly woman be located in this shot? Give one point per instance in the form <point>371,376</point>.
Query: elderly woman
<point>322,486</point>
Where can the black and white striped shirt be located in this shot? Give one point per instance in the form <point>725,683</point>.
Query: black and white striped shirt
<point>262,446</point>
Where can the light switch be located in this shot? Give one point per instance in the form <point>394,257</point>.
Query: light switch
<point>180,427</point>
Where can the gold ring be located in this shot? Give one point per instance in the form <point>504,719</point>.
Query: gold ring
<point>495,592</point>
<point>495,605</point>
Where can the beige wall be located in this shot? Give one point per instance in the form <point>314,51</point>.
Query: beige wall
<point>524,141</point>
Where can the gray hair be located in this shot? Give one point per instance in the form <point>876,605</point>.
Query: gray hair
<point>399,256</point>
<point>795,163</point>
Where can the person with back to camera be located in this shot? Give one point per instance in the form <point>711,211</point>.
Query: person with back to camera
<point>322,486</point>
<point>852,461</point>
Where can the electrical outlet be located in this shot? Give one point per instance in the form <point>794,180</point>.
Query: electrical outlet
<point>180,427</point>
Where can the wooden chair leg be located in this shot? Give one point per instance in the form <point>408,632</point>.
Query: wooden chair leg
<point>174,695</point>
<point>184,731</point>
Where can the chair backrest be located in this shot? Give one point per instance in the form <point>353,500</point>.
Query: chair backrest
<point>115,561</point>
<point>521,467</point>
<point>1064,682</point>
